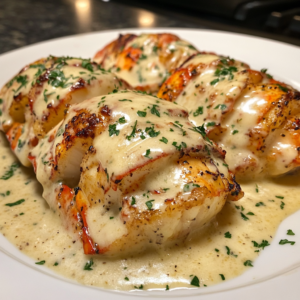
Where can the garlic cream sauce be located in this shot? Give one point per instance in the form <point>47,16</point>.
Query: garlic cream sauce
<point>223,247</point>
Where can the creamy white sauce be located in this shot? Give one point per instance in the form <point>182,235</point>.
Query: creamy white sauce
<point>153,66</point>
<point>138,124</point>
<point>208,96</point>
<point>37,231</point>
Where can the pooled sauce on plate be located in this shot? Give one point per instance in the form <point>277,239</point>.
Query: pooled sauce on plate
<point>225,248</point>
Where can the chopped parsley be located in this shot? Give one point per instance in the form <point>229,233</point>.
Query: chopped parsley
<point>235,132</point>
<point>195,281</point>
<point>223,71</point>
<point>123,100</point>
<point>167,288</point>
<point>149,204</point>
<point>198,111</point>
<point>201,130</point>
<point>122,120</point>
<point>15,203</point>
<point>22,79</point>
<point>262,245</point>
<point>112,129</point>
<point>227,235</point>
<point>259,204</point>
<point>129,137</point>
<point>42,262</point>
<point>285,241</point>
<point>213,82</point>
<point>126,278</point>
<point>164,140</point>
<point>139,287</point>
<point>133,201</point>
<point>221,106</point>
<point>88,265</point>
<point>180,146</point>
<point>244,217</point>
<point>248,263</point>
<point>154,111</point>
<point>279,197</point>
<point>228,251</point>
<point>179,126</point>
<point>9,173</point>
<point>256,189</point>
<point>210,124</point>
<point>250,213</point>
<point>86,63</point>
<point>290,232</point>
<point>148,151</point>
<point>152,132</point>
<point>282,204</point>
<point>57,79</point>
<point>222,276</point>
<point>141,114</point>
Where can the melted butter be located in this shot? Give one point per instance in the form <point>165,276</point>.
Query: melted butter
<point>36,230</point>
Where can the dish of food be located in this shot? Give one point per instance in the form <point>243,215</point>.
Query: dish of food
<point>202,41</point>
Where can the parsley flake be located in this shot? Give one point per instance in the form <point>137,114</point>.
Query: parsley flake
<point>154,111</point>
<point>122,120</point>
<point>244,217</point>
<point>195,281</point>
<point>164,140</point>
<point>262,245</point>
<point>198,111</point>
<point>129,137</point>
<point>15,203</point>
<point>132,201</point>
<point>112,129</point>
<point>148,151</point>
<point>9,173</point>
<point>248,263</point>
<point>139,287</point>
<point>141,114</point>
<point>227,235</point>
<point>221,106</point>
<point>123,100</point>
<point>149,204</point>
<point>285,241</point>
<point>88,265</point>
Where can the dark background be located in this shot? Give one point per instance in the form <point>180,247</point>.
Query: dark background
<point>24,22</point>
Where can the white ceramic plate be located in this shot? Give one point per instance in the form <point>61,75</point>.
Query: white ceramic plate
<point>276,274</point>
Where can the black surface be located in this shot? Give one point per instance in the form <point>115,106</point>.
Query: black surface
<point>25,22</point>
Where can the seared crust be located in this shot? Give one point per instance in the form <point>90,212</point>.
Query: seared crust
<point>38,98</point>
<point>111,161</point>
<point>145,61</point>
<point>223,94</point>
